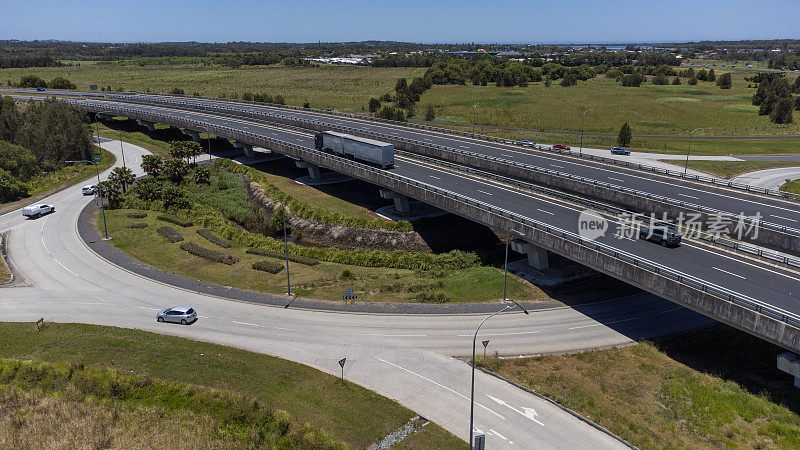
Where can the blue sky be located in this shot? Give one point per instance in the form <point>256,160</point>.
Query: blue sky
<point>408,20</point>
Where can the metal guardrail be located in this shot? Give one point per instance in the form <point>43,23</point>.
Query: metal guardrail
<point>232,112</point>
<point>672,274</point>
<point>701,178</point>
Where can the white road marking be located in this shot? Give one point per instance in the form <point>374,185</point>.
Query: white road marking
<point>690,196</point>
<point>498,434</point>
<point>435,177</point>
<point>146,307</point>
<point>246,323</point>
<point>784,218</point>
<point>741,262</point>
<point>501,334</point>
<point>441,386</point>
<point>671,309</point>
<point>529,413</point>
<point>507,156</point>
<point>556,165</point>
<point>546,212</point>
<point>729,273</point>
<point>616,179</point>
<point>484,192</point>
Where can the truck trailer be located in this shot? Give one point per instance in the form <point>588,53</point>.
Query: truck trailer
<point>364,150</point>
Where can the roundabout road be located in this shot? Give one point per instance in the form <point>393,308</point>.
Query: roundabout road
<point>405,357</point>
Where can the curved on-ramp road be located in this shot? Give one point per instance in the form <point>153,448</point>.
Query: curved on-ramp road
<point>405,357</point>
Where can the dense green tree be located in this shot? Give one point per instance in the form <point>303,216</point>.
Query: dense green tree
<point>18,161</point>
<point>174,91</point>
<point>797,104</point>
<point>430,114</point>
<point>702,75</point>
<point>660,80</point>
<point>625,135</point>
<point>152,164</point>
<point>676,81</point>
<point>9,119</point>
<point>61,83</point>
<point>123,177</point>
<point>391,113</point>
<point>796,85</point>
<point>174,197</point>
<point>202,175</point>
<point>633,80</point>
<point>148,189</point>
<point>712,76</point>
<point>278,100</point>
<point>192,150</point>
<point>692,81</point>
<point>724,81</point>
<point>782,112</point>
<point>374,104</point>
<point>31,81</point>
<point>54,131</point>
<point>175,169</point>
<point>111,191</point>
<point>569,80</point>
<point>11,188</point>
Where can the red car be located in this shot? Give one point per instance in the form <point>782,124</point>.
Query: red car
<point>561,147</point>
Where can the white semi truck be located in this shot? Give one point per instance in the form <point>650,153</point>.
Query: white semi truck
<point>364,150</point>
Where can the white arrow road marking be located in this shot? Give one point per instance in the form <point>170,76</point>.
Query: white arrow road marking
<point>530,413</point>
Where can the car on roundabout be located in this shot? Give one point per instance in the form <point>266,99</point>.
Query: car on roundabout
<point>89,189</point>
<point>561,147</point>
<point>183,315</point>
<point>34,211</point>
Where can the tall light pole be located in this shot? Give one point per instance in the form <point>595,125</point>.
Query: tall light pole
<point>474,111</point>
<point>285,247</point>
<point>118,135</point>
<point>505,265</point>
<point>472,389</point>
<point>208,131</point>
<point>99,190</point>
<point>686,166</point>
<point>583,118</point>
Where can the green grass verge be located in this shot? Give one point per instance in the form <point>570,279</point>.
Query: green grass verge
<point>792,186</point>
<point>326,87</point>
<point>45,184</point>
<point>730,169</point>
<point>710,389</point>
<point>5,272</point>
<point>159,148</point>
<point>348,412</point>
<point>326,280</point>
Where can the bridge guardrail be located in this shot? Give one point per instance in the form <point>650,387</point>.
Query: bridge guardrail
<point>675,173</point>
<point>669,200</point>
<point>677,276</point>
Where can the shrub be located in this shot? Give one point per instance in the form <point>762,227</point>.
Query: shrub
<point>724,81</point>
<point>31,81</point>
<point>61,83</point>
<point>267,266</point>
<point>180,221</point>
<point>633,80</point>
<point>293,258</point>
<point>174,198</point>
<point>138,225</point>
<point>175,169</point>
<point>147,189</point>
<point>137,215</point>
<point>209,254</point>
<point>170,233</point>
<point>692,81</point>
<point>433,297</point>
<point>211,237</point>
<point>11,188</point>
<point>346,275</point>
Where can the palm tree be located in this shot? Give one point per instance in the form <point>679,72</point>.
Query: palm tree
<point>122,176</point>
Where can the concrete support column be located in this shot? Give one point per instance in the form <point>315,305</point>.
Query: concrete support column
<point>194,134</point>
<point>150,125</point>
<point>313,169</point>
<point>400,200</point>
<point>537,256</point>
<point>790,363</point>
<point>247,148</point>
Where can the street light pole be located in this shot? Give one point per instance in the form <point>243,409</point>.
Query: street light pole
<point>285,246</point>
<point>99,190</point>
<point>474,111</point>
<point>583,118</point>
<point>505,265</point>
<point>472,388</point>
<point>118,135</point>
<point>686,166</point>
<point>208,131</point>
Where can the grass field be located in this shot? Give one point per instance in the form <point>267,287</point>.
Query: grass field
<point>325,281</point>
<point>792,186</point>
<point>337,87</point>
<point>709,389</point>
<point>649,110</point>
<point>46,184</point>
<point>5,272</point>
<point>730,169</point>
<point>348,412</point>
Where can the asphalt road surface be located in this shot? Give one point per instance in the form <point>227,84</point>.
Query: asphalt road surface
<point>405,357</point>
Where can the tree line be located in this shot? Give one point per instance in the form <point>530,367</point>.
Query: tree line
<point>38,138</point>
<point>773,96</point>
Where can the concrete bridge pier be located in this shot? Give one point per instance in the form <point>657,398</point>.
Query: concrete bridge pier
<point>790,363</point>
<point>101,116</point>
<point>400,200</point>
<point>247,148</point>
<point>313,169</point>
<point>150,125</point>
<point>194,134</point>
<point>537,256</point>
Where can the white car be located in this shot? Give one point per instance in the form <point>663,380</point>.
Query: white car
<point>89,189</point>
<point>38,210</point>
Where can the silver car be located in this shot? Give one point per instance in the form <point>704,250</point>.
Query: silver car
<point>177,314</point>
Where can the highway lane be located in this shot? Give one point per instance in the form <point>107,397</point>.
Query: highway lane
<point>774,210</point>
<point>404,357</point>
<point>754,280</point>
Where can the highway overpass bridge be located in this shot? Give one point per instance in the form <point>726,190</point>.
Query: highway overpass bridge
<point>749,293</point>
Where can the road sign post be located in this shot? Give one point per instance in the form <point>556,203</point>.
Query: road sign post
<point>349,296</point>
<point>485,344</point>
<point>341,363</point>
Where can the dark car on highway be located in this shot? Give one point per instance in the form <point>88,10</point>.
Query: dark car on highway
<point>561,147</point>
<point>664,235</point>
<point>40,89</point>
